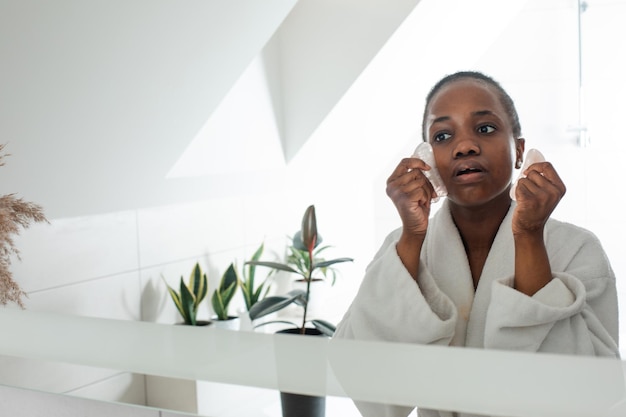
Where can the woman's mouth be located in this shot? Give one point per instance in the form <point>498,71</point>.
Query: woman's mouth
<point>467,171</point>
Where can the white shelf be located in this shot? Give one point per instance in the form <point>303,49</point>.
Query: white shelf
<point>483,382</point>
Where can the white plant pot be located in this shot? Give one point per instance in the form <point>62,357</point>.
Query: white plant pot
<point>233,323</point>
<point>245,324</point>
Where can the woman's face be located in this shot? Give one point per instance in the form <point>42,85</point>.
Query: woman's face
<point>472,141</point>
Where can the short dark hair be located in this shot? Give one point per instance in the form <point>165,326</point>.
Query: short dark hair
<point>506,100</point>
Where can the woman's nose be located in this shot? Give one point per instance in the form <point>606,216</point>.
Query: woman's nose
<point>466,145</point>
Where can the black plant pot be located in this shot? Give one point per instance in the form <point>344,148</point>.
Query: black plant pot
<point>308,331</point>
<point>198,323</point>
<point>299,405</point>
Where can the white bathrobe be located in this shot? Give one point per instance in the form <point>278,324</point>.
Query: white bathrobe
<point>575,313</point>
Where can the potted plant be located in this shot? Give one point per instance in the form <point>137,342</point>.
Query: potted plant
<point>252,291</point>
<point>298,405</point>
<point>325,276</point>
<point>15,214</point>
<point>223,295</point>
<point>307,265</point>
<point>190,295</point>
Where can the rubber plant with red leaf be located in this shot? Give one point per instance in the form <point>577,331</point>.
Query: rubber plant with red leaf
<point>309,239</point>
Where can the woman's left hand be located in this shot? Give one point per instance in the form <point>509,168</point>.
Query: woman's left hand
<point>537,196</point>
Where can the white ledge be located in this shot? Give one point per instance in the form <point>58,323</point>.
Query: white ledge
<point>479,381</point>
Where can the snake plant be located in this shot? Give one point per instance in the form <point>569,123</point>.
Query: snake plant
<point>223,294</point>
<point>188,298</point>
<point>252,291</point>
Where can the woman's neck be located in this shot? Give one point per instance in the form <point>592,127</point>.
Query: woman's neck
<point>478,225</point>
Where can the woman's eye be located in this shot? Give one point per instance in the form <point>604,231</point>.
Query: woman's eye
<point>439,137</point>
<point>486,129</point>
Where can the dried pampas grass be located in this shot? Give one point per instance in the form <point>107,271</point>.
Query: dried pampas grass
<point>15,215</point>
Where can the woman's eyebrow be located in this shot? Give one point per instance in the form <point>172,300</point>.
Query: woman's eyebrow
<point>440,119</point>
<point>480,113</point>
<point>477,113</point>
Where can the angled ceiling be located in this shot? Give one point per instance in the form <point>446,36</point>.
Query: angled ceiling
<point>101,98</point>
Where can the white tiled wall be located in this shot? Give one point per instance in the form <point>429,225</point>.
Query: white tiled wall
<point>114,265</point>
<point>18,402</point>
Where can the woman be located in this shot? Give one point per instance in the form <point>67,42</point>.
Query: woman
<point>484,271</point>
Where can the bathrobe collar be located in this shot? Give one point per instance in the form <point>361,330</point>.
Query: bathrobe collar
<point>447,261</point>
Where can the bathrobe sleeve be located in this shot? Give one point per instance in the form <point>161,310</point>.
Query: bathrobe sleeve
<point>575,313</point>
<point>391,306</point>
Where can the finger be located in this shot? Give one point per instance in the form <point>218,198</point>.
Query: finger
<point>527,187</point>
<point>408,165</point>
<point>537,188</point>
<point>544,171</point>
<point>415,178</point>
<point>409,182</point>
<point>418,163</point>
<point>411,186</point>
<point>408,171</point>
<point>421,195</point>
<point>420,183</point>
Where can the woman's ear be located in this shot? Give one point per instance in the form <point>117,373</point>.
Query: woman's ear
<point>520,144</point>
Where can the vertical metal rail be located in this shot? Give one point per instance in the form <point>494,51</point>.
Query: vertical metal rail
<point>583,134</point>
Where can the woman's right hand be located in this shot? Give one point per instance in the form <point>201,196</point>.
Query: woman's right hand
<point>411,193</point>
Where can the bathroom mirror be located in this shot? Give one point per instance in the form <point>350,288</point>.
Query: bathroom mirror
<point>158,134</point>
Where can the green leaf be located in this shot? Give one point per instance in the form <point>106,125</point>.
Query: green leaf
<point>251,267</point>
<point>227,294</point>
<point>188,303</point>
<point>223,295</point>
<point>247,294</point>
<point>251,295</point>
<point>325,327</point>
<point>324,264</point>
<point>295,326</point>
<point>270,305</point>
<point>297,241</point>
<point>264,294</point>
<point>195,279</point>
<point>229,278</point>
<point>298,244</point>
<point>218,306</point>
<point>300,297</point>
<point>176,299</point>
<point>257,294</point>
<point>274,265</point>
<point>203,290</point>
<point>298,257</point>
<point>258,253</point>
<point>321,249</point>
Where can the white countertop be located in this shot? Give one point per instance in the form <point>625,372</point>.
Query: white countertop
<point>482,381</point>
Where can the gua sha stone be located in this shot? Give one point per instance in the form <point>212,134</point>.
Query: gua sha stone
<point>424,151</point>
<point>532,157</point>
